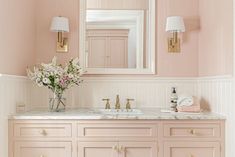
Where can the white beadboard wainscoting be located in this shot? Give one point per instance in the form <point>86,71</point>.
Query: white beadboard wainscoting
<point>148,92</point>
<point>215,92</point>
<point>218,93</point>
<point>14,90</point>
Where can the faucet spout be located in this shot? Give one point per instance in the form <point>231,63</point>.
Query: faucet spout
<point>117,105</point>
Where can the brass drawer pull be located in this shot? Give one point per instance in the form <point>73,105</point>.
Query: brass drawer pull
<point>122,149</point>
<point>115,147</point>
<point>192,132</point>
<point>43,132</point>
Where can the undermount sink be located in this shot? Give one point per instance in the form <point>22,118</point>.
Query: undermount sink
<point>121,111</point>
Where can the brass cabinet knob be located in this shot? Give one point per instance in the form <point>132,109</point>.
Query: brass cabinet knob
<point>115,147</point>
<point>43,132</point>
<point>121,149</point>
<point>42,156</point>
<point>191,155</point>
<point>192,132</point>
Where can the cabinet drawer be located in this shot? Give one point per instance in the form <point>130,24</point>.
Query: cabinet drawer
<point>192,149</point>
<point>192,130</point>
<point>42,130</point>
<point>117,130</point>
<point>42,149</point>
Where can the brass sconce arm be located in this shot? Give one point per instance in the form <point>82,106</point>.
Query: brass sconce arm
<point>175,24</point>
<point>62,43</point>
<point>174,43</point>
<point>60,24</point>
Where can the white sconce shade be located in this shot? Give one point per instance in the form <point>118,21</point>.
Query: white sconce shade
<point>60,24</point>
<point>175,24</point>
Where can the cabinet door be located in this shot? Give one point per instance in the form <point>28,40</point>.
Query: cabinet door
<point>97,52</point>
<point>117,52</point>
<point>42,149</point>
<point>97,149</point>
<point>138,149</point>
<point>192,149</point>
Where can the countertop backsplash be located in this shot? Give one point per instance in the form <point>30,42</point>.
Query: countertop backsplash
<point>148,92</point>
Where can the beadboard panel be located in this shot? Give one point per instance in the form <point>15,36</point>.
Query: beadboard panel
<point>14,91</point>
<point>218,94</point>
<point>147,92</point>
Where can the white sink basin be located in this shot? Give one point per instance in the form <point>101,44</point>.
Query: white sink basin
<point>121,111</point>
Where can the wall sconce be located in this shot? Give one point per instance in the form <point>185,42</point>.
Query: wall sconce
<point>174,25</point>
<point>60,25</point>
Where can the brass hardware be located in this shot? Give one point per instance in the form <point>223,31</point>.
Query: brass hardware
<point>191,155</point>
<point>121,149</point>
<point>62,43</point>
<point>117,105</point>
<point>43,132</point>
<point>174,43</point>
<point>107,105</point>
<point>128,104</point>
<point>192,131</point>
<point>115,147</point>
<point>42,156</point>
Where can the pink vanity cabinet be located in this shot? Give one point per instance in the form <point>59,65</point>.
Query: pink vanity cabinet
<point>116,138</point>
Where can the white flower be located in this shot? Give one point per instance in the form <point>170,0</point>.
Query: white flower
<point>70,75</point>
<point>64,77</point>
<point>38,80</point>
<point>40,84</point>
<point>47,74</point>
<point>59,73</point>
<point>46,81</point>
<point>38,74</point>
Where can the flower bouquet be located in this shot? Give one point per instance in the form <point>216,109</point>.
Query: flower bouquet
<point>57,78</point>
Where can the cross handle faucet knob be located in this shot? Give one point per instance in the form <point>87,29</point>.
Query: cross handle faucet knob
<point>128,104</point>
<point>107,105</point>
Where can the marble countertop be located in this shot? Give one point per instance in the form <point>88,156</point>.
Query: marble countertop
<point>94,114</point>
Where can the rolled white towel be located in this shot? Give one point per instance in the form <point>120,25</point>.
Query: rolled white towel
<point>185,100</point>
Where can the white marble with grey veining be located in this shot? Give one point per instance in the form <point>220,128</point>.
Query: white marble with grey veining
<point>94,114</point>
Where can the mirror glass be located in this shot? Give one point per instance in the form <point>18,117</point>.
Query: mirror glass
<point>115,39</point>
<point>117,35</point>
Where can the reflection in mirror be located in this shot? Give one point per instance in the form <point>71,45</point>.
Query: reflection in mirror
<point>114,38</point>
<point>117,38</point>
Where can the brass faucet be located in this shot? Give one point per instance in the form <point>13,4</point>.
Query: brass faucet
<point>128,104</point>
<point>117,105</point>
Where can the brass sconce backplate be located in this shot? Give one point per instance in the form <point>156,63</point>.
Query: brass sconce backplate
<point>62,47</point>
<point>173,46</point>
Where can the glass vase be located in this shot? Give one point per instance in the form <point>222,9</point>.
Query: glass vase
<point>57,103</point>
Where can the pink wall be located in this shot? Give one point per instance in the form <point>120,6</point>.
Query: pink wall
<point>216,37</point>
<point>17,36</point>
<point>183,64</point>
<point>26,38</point>
<point>46,40</point>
